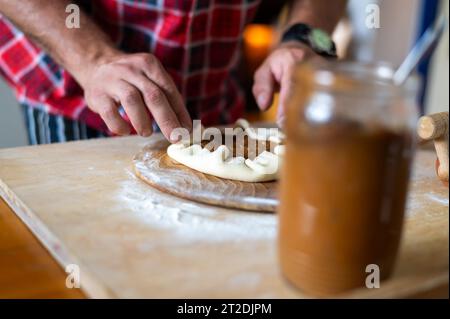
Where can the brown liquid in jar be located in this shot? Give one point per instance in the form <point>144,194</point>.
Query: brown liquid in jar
<point>343,194</point>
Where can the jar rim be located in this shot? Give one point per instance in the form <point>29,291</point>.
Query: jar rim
<point>360,77</point>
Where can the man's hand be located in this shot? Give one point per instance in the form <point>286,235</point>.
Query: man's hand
<point>139,83</point>
<point>276,74</point>
<point>109,77</point>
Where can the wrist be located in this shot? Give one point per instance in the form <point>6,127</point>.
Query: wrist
<point>83,65</point>
<point>317,40</point>
<point>300,48</point>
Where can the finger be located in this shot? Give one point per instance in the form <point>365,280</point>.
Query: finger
<point>155,100</point>
<point>264,87</point>
<point>146,87</point>
<point>156,73</point>
<point>110,114</point>
<point>159,107</point>
<point>132,102</point>
<point>281,120</point>
<point>287,85</point>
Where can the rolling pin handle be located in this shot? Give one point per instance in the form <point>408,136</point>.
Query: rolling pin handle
<point>433,126</point>
<point>436,127</point>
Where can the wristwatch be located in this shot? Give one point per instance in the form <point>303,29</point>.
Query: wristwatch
<point>318,40</point>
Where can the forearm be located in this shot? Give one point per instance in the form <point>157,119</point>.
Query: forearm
<point>109,77</point>
<point>76,49</point>
<point>323,14</point>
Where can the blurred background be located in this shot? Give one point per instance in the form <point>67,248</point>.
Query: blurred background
<point>401,23</point>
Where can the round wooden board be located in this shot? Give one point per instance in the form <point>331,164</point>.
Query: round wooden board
<point>156,168</point>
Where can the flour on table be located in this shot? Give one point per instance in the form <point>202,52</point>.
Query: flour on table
<point>421,192</point>
<point>190,221</point>
<point>440,199</point>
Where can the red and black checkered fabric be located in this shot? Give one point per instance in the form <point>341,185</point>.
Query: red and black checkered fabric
<point>197,41</point>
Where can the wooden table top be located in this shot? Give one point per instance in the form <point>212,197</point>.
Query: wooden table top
<point>28,271</point>
<point>26,268</point>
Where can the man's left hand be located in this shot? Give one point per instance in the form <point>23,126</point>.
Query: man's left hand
<point>276,74</point>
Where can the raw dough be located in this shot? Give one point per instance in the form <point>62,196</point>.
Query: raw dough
<point>262,134</point>
<point>265,167</point>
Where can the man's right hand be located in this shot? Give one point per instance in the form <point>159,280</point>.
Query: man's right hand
<point>140,84</point>
<point>110,78</point>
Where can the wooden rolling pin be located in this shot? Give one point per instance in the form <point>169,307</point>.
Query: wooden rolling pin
<point>435,127</point>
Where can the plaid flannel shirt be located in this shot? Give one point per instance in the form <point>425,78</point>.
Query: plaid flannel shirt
<point>197,42</point>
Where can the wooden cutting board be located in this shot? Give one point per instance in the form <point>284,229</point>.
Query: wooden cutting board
<point>83,201</point>
<point>155,167</point>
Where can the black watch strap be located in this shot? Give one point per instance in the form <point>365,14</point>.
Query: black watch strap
<point>319,41</point>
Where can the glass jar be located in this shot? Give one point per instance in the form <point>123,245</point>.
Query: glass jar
<point>349,148</point>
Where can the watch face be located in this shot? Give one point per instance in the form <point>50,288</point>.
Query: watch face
<point>321,40</point>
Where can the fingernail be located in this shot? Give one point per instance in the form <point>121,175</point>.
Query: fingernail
<point>146,133</point>
<point>262,99</point>
<point>281,121</point>
<point>126,132</point>
<point>174,138</point>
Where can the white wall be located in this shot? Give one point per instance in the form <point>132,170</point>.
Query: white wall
<point>12,127</point>
<point>399,21</point>
<point>393,40</point>
<point>437,95</point>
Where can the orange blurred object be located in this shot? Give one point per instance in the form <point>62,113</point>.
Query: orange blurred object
<point>268,116</point>
<point>259,35</point>
<point>258,40</point>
